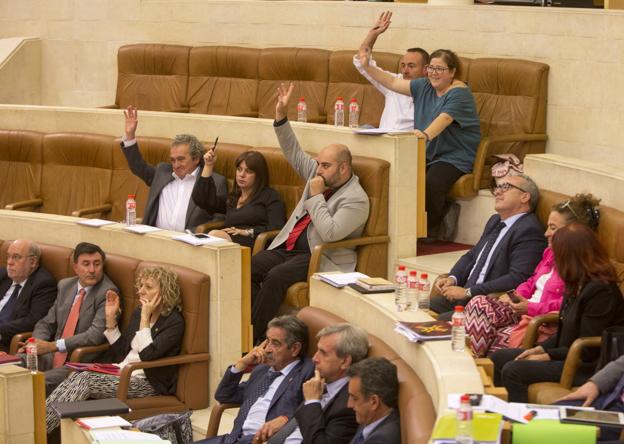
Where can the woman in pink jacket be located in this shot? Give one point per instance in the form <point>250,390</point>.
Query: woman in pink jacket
<point>491,321</point>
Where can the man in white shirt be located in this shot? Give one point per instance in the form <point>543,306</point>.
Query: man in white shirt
<point>169,205</point>
<point>398,113</point>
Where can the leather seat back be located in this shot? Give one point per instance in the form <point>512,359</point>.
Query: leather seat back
<point>20,162</point>
<point>307,68</point>
<point>77,171</point>
<point>223,80</point>
<point>153,77</point>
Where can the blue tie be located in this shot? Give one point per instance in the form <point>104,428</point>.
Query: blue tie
<point>490,240</point>
<point>7,310</point>
<point>259,390</point>
<point>359,437</point>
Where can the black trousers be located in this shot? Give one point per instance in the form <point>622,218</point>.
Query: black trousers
<point>272,272</point>
<point>439,304</point>
<point>439,180</point>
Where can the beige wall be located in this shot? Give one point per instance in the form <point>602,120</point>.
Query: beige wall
<point>20,70</point>
<point>585,48</point>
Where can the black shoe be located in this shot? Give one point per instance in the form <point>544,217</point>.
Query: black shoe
<point>448,227</point>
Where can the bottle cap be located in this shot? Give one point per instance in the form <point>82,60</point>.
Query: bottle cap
<point>413,273</point>
<point>131,196</point>
<point>338,98</point>
<point>401,267</point>
<point>464,398</point>
<point>302,99</point>
<point>424,275</point>
<point>31,339</point>
<point>459,308</point>
<point>353,100</point>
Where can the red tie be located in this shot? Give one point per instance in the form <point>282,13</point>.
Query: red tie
<point>302,224</point>
<point>70,327</point>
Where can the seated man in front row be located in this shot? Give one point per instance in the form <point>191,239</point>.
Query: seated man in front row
<point>77,318</point>
<point>334,206</point>
<point>273,392</point>
<point>169,205</point>
<point>27,290</point>
<point>506,255</point>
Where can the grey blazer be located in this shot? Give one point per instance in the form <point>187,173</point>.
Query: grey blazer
<point>387,432</point>
<point>157,177</point>
<point>91,323</point>
<point>343,216</point>
<point>612,375</point>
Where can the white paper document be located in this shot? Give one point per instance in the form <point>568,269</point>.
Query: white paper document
<point>340,280</point>
<point>141,229</point>
<point>103,436</point>
<point>102,422</point>
<point>95,222</point>
<point>379,131</point>
<point>203,239</point>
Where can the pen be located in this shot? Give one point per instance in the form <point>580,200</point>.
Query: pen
<point>214,145</point>
<point>529,416</point>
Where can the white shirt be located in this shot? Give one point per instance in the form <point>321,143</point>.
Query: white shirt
<point>174,201</point>
<point>258,412</point>
<point>539,287</point>
<point>332,390</point>
<point>398,113</point>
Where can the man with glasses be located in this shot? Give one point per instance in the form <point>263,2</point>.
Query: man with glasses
<point>398,112</point>
<point>333,207</point>
<point>27,290</point>
<point>506,255</point>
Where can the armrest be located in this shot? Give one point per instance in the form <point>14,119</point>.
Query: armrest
<point>317,119</point>
<point>573,360</point>
<point>20,337</point>
<point>317,253</point>
<point>262,240</point>
<point>24,204</point>
<point>205,228</point>
<point>484,151</point>
<point>104,208</point>
<point>530,337</point>
<point>215,418</point>
<point>79,354</point>
<point>126,372</point>
<point>113,106</point>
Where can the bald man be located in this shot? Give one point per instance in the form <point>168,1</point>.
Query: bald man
<point>27,290</point>
<point>333,207</point>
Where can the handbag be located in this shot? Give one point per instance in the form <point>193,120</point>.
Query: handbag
<point>516,337</point>
<point>611,345</point>
<point>175,427</point>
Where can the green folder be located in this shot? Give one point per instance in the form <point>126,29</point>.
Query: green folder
<point>486,428</point>
<point>552,432</point>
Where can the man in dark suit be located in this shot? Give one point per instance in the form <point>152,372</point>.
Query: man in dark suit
<point>169,204</point>
<point>273,391</point>
<point>77,318</point>
<point>506,255</point>
<point>373,395</point>
<point>325,417</point>
<point>27,290</point>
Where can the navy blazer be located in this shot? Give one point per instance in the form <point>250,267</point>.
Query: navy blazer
<point>34,301</point>
<point>513,261</point>
<point>287,397</point>
<point>387,431</point>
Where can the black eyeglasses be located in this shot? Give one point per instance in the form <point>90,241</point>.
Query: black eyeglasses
<point>436,69</point>
<point>504,187</point>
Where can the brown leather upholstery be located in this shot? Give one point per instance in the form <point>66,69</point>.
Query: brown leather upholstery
<point>20,163</point>
<point>223,80</point>
<point>307,68</point>
<point>154,150</point>
<point>345,81</point>
<point>153,77</point>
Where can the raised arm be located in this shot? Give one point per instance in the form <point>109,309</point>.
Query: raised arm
<point>380,26</point>
<point>130,149</point>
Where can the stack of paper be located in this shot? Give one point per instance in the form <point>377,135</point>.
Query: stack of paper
<point>97,223</point>
<point>340,280</point>
<point>124,436</point>
<point>198,240</point>
<point>140,229</point>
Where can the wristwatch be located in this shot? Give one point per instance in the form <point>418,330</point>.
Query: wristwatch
<point>250,232</point>
<point>468,293</point>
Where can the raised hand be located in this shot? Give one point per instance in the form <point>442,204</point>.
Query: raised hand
<point>112,308</point>
<point>283,97</point>
<point>131,122</point>
<point>382,23</point>
<point>255,356</point>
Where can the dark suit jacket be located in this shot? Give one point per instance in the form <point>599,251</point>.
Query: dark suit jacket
<point>34,301</point>
<point>157,178</point>
<point>335,424</point>
<point>287,396</point>
<point>167,335</point>
<point>513,260</point>
<point>91,323</point>
<point>596,307</point>
<point>387,432</point>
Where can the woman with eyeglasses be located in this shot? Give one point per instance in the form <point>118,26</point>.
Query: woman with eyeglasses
<point>445,115</point>
<point>592,302</point>
<point>493,323</point>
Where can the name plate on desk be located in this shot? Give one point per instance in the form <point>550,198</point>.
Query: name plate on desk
<point>17,424</point>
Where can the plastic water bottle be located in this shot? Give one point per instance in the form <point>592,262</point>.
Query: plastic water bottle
<point>354,114</point>
<point>400,296</point>
<point>411,302</point>
<point>131,210</point>
<point>339,112</point>
<point>458,329</point>
<point>302,110</point>
<point>31,355</point>
<point>424,288</point>
<point>464,421</point>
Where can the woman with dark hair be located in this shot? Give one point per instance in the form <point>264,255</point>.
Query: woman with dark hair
<point>592,302</point>
<point>500,322</point>
<point>155,331</point>
<point>251,208</point>
<point>445,115</point>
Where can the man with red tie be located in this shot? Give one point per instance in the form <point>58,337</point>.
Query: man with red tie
<point>334,206</point>
<point>77,318</point>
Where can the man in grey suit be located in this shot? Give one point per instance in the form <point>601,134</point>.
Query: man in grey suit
<point>334,206</point>
<point>169,205</point>
<point>373,395</point>
<point>77,318</point>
